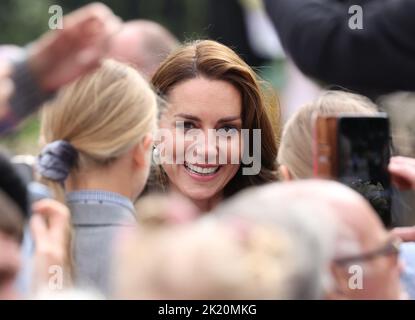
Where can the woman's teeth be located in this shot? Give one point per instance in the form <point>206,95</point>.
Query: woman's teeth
<point>200,170</point>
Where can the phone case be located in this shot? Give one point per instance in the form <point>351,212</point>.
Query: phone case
<point>325,147</point>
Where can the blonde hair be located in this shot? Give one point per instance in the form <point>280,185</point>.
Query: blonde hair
<point>206,260</point>
<point>296,144</point>
<point>102,115</point>
<point>161,209</point>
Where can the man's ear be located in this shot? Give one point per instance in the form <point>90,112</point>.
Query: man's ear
<point>142,151</point>
<point>285,173</point>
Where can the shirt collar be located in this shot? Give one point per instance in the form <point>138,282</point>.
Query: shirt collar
<point>99,197</point>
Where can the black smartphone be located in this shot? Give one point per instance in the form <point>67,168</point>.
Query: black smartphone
<point>364,150</point>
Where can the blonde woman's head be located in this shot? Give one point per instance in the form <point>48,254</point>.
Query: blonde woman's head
<point>207,259</point>
<point>295,155</point>
<point>105,116</point>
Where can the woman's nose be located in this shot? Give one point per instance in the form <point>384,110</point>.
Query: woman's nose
<point>206,147</point>
<point>211,147</point>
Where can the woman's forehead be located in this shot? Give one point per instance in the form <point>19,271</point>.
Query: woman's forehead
<point>205,99</point>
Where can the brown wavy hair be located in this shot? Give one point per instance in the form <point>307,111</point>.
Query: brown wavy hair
<point>260,107</point>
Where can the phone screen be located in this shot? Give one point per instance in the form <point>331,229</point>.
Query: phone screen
<point>363,153</point>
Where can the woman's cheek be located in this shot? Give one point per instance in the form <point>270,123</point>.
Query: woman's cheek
<point>179,147</point>
<point>234,150</point>
<point>242,142</point>
<point>168,143</point>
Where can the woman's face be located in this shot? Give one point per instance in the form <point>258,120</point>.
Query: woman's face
<point>203,119</point>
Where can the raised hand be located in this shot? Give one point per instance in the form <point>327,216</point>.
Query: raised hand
<point>6,86</point>
<point>402,170</point>
<point>50,227</point>
<point>60,56</point>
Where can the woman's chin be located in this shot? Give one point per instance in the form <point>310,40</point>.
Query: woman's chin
<point>199,194</point>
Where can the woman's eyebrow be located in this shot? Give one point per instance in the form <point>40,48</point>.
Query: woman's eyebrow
<point>229,119</point>
<point>194,118</point>
<point>186,116</point>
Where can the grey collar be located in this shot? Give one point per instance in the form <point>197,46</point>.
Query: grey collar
<point>98,207</point>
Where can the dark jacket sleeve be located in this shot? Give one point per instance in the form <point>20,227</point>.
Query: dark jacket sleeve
<point>27,98</point>
<point>378,58</point>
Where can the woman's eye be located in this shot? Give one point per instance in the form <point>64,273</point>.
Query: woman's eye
<point>228,130</point>
<point>185,125</point>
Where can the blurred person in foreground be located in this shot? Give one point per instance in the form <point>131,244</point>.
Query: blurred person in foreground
<point>144,44</point>
<point>49,228</point>
<point>55,59</point>
<point>157,209</point>
<point>361,241</point>
<point>208,259</point>
<point>11,235</point>
<point>373,58</point>
<point>41,268</point>
<point>49,224</point>
<point>176,254</point>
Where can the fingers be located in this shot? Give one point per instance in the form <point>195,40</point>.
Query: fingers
<point>6,85</point>
<point>38,229</point>
<point>4,69</point>
<point>97,31</point>
<point>61,56</point>
<point>57,217</point>
<point>407,234</point>
<point>405,160</point>
<point>51,209</point>
<point>6,90</point>
<point>96,9</point>
<point>93,20</point>
<point>403,172</point>
<point>49,225</point>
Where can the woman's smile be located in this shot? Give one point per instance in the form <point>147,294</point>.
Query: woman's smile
<point>202,172</point>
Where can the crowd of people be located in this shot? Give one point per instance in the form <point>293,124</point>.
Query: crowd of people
<point>140,198</point>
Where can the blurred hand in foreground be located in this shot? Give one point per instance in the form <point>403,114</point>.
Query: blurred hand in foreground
<point>61,56</point>
<point>402,170</point>
<point>6,86</point>
<point>50,226</point>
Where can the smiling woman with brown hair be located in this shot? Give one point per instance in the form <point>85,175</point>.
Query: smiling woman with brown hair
<point>209,88</point>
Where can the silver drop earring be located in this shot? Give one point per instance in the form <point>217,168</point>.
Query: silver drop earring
<point>156,155</point>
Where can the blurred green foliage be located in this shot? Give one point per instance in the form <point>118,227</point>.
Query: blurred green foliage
<point>184,18</point>
<point>25,139</point>
<point>22,21</point>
